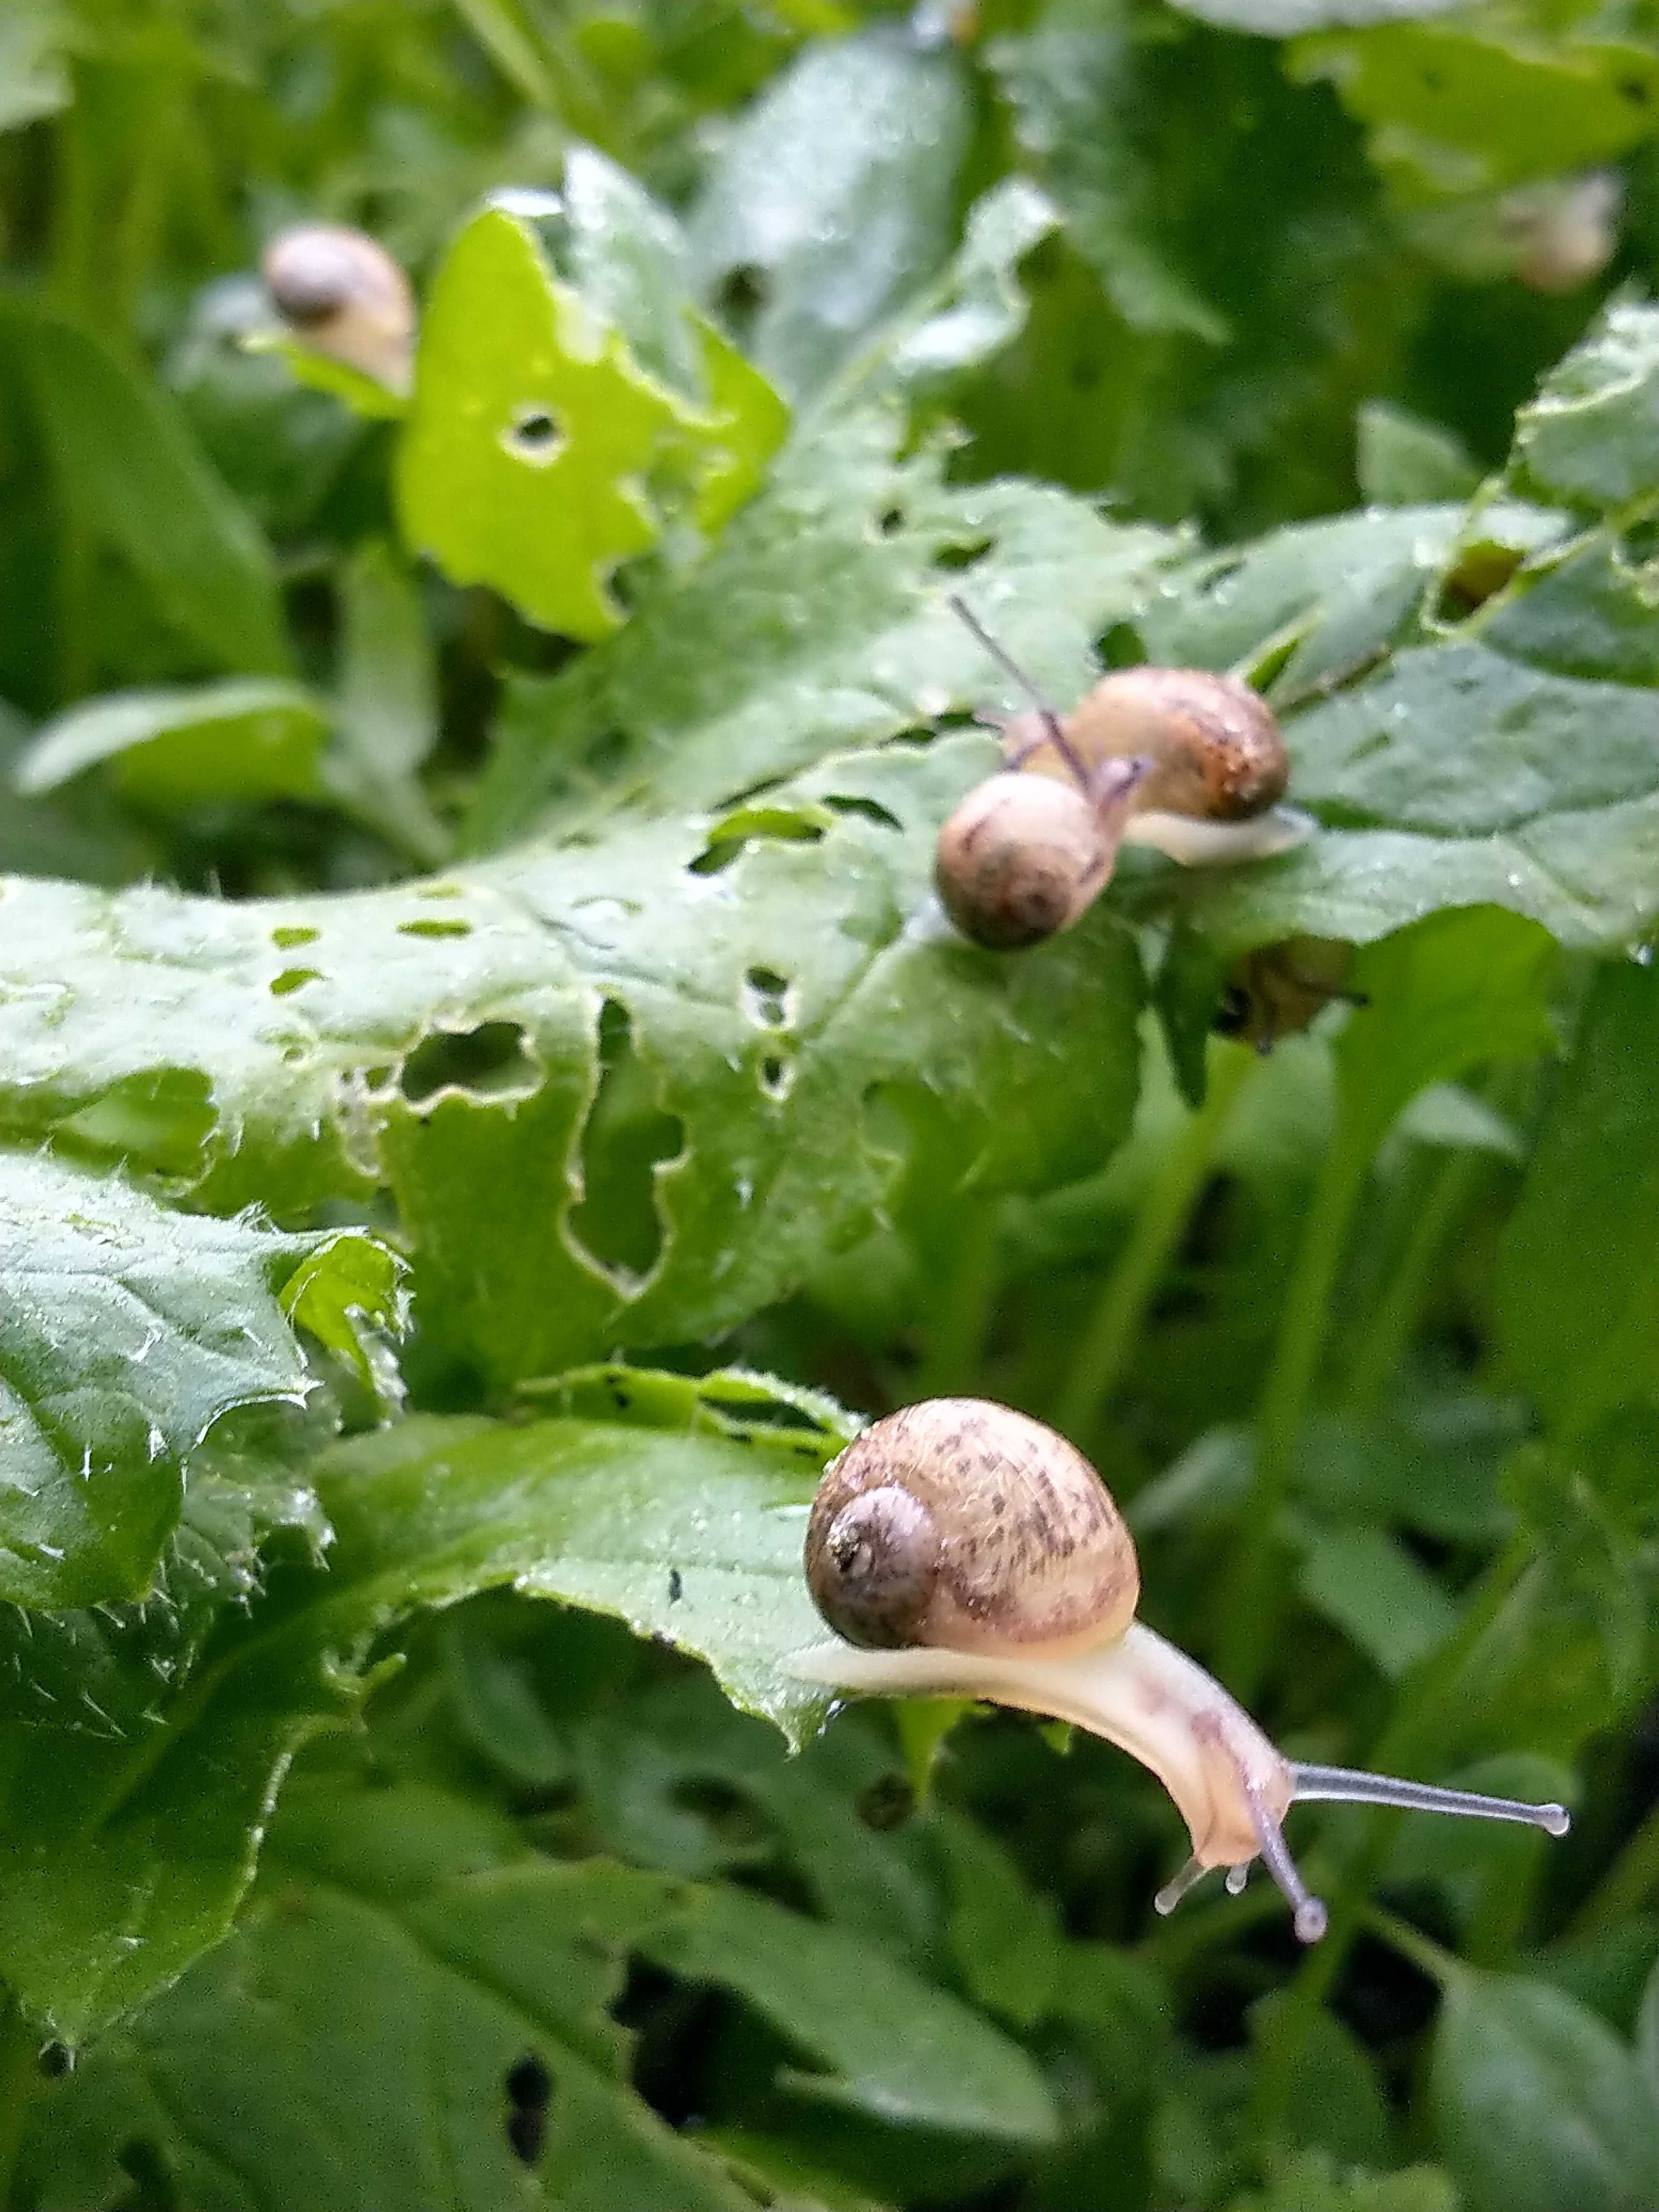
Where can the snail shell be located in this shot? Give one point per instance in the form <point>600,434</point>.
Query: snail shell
<point>346,295</point>
<point>1216,749</point>
<point>960,1523</point>
<point>1023,856</point>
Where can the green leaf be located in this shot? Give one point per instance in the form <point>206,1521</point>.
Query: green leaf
<point>773,995</point>
<point>139,1783</point>
<point>389,1912</point>
<point>1483,104</point>
<point>364,394</point>
<point>1579,1281</point>
<point>973,308</point>
<point>1455,775</point>
<point>388,704</point>
<point>628,258</point>
<point>886,2045</point>
<point>830,201</point>
<point>1076,86</point>
<point>1008,1949</point>
<point>1313,2181</point>
<point>1454,992</point>
<point>1373,1590</point>
<point>1405,462</point>
<point>1583,610</point>
<point>125,1331</point>
<point>1590,435</point>
<point>1336,2105</point>
<point>140,479</point>
<point>250,739</point>
<point>1536,2104</point>
<point>531,429</point>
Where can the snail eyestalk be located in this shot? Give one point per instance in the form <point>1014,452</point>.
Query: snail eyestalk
<point>1347,1785</point>
<point>1054,732</point>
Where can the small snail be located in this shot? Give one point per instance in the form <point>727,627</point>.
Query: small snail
<point>1179,758</point>
<point>344,295</point>
<point>1278,989</point>
<point>961,1549</point>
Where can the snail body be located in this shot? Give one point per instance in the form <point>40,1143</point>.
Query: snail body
<point>343,295</point>
<point>961,1549</point>
<point>1179,758</point>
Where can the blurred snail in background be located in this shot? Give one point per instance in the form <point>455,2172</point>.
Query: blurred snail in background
<point>1279,989</point>
<point>1179,758</point>
<point>960,1549</point>
<point>343,295</point>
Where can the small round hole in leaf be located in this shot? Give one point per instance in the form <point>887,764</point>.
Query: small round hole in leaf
<point>534,435</point>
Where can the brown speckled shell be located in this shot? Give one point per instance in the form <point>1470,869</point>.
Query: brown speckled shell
<point>1219,751</point>
<point>1014,1539</point>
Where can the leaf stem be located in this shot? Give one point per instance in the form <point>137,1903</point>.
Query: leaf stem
<point>1427,1956</point>
<point>1396,1316</point>
<point>1250,1619</point>
<point>1113,1327</point>
<point>20,2073</point>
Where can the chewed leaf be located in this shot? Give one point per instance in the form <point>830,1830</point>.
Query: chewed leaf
<point>424,1898</point>
<point>529,431</point>
<point>134,1790</point>
<point>543,447</point>
<point>125,1331</point>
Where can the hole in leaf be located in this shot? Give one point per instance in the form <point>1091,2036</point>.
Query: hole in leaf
<point>870,809</point>
<point>434,928</point>
<point>1121,646</point>
<point>377,1077</point>
<point>743,292</point>
<point>294,979</point>
<point>766,996</point>
<point>529,2089</point>
<point>758,1412</point>
<point>163,1116</point>
<point>534,435</point>
<point>492,1061</point>
<point>144,2165</point>
<point>286,937</point>
<point>964,556</point>
<point>892,523</point>
<point>627,1134</point>
<point>777,1076</point>
<point>438,891</point>
<point>726,840</point>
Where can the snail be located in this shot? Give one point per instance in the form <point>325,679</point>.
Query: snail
<point>1278,989</point>
<point>1180,758</point>
<point>344,294</point>
<point>959,1548</point>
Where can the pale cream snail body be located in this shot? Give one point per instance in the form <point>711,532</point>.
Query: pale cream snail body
<point>1191,763</point>
<point>958,1548</point>
<point>342,293</point>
